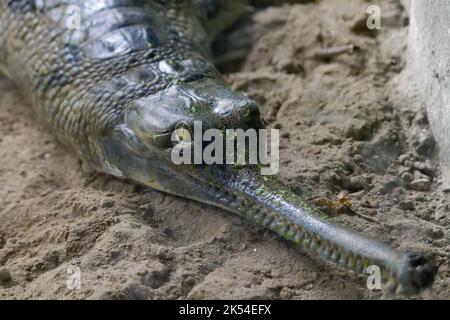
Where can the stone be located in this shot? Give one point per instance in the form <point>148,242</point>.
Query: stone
<point>407,177</point>
<point>389,183</point>
<point>406,205</point>
<point>436,233</point>
<point>419,166</point>
<point>420,175</point>
<point>5,275</point>
<point>358,183</point>
<point>408,164</point>
<point>421,185</point>
<point>358,129</point>
<point>370,203</point>
<point>107,203</point>
<point>403,158</point>
<point>439,214</point>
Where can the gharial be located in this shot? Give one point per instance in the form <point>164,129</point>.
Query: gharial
<point>115,88</point>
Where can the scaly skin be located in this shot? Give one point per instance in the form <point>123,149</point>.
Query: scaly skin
<point>114,90</point>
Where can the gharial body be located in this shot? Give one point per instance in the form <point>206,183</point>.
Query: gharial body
<point>115,88</point>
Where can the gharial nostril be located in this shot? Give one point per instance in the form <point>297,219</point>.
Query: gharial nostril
<point>251,117</point>
<point>251,113</point>
<point>241,104</point>
<point>423,269</point>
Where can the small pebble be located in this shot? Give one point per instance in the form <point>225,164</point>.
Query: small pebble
<point>419,175</point>
<point>402,170</point>
<point>403,158</point>
<point>407,177</point>
<point>358,183</point>
<point>5,276</point>
<point>429,170</point>
<point>419,165</point>
<point>369,203</point>
<point>436,233</point>
<point>440,214</point>
<point>107,203</point>
<point>389,183</point>
<point>419,198</point>
<point>358,158</point>
<point>359,129</point>
<point>406,205</point>
<point>408,164</point>
<point>421,185</point>
<point>398,191</point>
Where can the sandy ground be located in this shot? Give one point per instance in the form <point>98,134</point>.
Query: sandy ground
<point>348,126</point>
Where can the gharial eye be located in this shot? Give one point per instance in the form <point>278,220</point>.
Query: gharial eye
<point>161,140</point>
<point>182,134</point>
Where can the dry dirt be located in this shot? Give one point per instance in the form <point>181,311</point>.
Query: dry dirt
<point>348,126</point>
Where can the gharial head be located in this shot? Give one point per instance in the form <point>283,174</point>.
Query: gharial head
<point>211,102</point>
<point>140,147</point>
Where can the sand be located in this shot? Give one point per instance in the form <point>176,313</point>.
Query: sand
<point>350,125</point>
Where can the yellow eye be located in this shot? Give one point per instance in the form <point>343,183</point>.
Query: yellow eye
<point>161,140</point>
<point>182,134</point>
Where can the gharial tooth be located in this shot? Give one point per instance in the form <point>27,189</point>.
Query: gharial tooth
<point>384,274</point>
<point>335,255</point>
<point>343,260</point>
<point>268,220</point>
<point>306,242</point>
<point>359,266</point>
<point>276,226</point>
<point>351,262</point>
<point>289,233</point>
<point>259,218</point>
<point>298,237</point>
<point>400,289</point>
<point>326,252</point>
<point>391,284</point>
<point>313,244</point>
